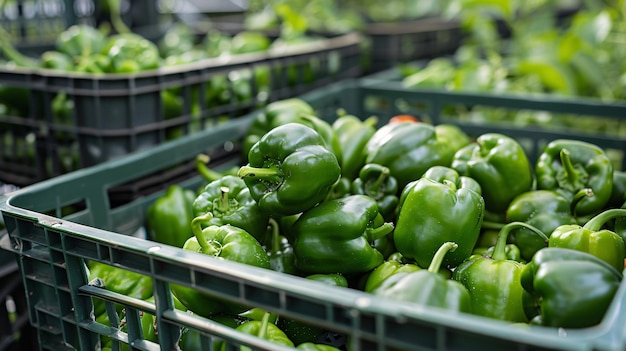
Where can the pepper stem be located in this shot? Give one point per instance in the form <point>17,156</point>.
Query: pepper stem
<point>224,199</point>
<point>247,171</point>
<point>596,223</point>
<point>379,232</point>
<point>579,196</point>
<point>264,321</point>
<point>116,17</point>
<point>499,251</point>
<point>492,225</point>
<point>574,178</point>
<point>378,183</point>
<point>371,121</point>
<point>206,172</point>
<point>435,263</point>
<point>196,227</point>
<point>275,235</point>
<point>449,184</point>
<point>13,54</point>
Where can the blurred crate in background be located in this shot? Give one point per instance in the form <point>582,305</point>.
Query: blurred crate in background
<point>57,225</point>
<point>395,43</point>
<point>56,122</point>
<point>35,24</point>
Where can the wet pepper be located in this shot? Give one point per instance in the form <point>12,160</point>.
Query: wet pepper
<point>396,263</point>
<point>408,149</point>
<point>494,281</point>
<point>431,213</point>
<point>353,134</point>
<point>229,200</point>
<point>131,52</point>
<point>567,166</point>
<point>441,173</point>
<point>169,217</point>
<point>591,238</point>
<point>377,182</point>
<point>573,288</point>
<point>224,242</point>
<point>290,170</point>
<point>119,280</point>
<point>499,164</point>
<point>543,209</point>
<point>337,235</point>
<point>428,287</point>
<point>290,111</point>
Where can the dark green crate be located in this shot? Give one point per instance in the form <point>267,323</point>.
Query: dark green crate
<point>52,249</point>
<point>117,114</point>
<point>403,42</point>
<point>35,24</point>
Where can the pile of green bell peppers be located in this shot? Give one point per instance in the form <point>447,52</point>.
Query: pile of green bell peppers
<point>473,223</point>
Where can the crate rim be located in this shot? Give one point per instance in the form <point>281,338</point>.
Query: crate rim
<point>544,100</point>
<point>414,26</point>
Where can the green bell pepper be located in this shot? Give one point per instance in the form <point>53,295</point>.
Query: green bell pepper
<point>511,252</point>
<point>263,329</point>
<point>428,287</point>
<point>292,110</point>
<point>340,189</point>
<point>229,200</point>
<point>567,166</point>
<point>177,40</point>
<point>432,213</point>
<point>353,134</point>
<point>223,242</point>
<point>377,182</point>
<point>499,164</point>
<point>216,43</point>
<point>56,60</point>
<point>325,235</point>
<point>80,40</point>
<point>441,173</point>
<point>131,52</point>
<point>591,238</point>
<point>97,63</point>
<point>118,280</point>
<point>543,209</point>
<point>494,282</point>
<point>574,288</point>
<point>408,149</point>
<point>280,251</point>
<point>289,170</point>
<point>396,263</point>
<point>249,41</point>
<point>169,217</point>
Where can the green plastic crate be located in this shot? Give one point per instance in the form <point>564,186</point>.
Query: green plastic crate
<point>53,245</point>
<point>112,115</point>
